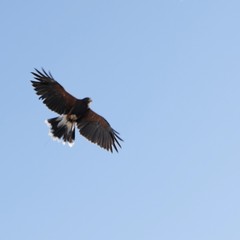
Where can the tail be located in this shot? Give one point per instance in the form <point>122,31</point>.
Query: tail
<point>62,128</point>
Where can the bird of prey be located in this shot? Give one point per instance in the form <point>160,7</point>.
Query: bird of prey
<point>73,112</point>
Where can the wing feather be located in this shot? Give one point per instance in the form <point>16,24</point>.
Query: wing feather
<point>96,129</point>
<point>52,93</point>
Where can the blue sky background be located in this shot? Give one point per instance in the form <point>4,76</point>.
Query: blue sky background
<point>166,75</point>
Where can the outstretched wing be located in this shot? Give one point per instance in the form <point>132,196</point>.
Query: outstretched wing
<point>52,93</point>
<point>96,129</point>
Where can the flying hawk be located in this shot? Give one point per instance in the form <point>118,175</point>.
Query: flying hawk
<point>73,113</point>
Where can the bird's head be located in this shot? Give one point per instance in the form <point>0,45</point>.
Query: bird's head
<point>87,100</point>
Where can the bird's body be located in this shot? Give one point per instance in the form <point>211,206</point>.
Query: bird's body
<point>73,113</point>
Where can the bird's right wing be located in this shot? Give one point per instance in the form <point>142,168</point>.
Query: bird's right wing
<point>96,129</point>
<point>52,93</point>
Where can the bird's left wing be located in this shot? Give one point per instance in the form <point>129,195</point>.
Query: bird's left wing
<point>96,129</point>
<point>52,93</point>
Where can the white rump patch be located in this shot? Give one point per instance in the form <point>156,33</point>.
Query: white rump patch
<point>63,120</point>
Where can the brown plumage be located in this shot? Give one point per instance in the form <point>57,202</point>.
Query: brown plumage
<point>73,113</point>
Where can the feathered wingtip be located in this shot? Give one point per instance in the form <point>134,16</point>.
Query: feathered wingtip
<point>116,139</point>
<point>42,75</point>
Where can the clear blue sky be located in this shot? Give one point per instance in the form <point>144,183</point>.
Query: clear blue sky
<point>166,75</point>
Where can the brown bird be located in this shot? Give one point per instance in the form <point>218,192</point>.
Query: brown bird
<point>73,113</point>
